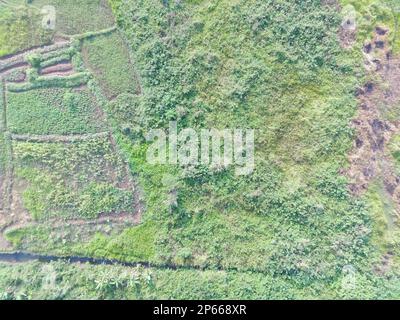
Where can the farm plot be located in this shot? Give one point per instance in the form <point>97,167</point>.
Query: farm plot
<point>71,180</point>
<point>53,111</point>
<point>107,57</point>
<point>59,159</point>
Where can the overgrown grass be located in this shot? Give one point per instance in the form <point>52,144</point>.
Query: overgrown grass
<point>273,66</point>
<point>133,244</point>
<point>108,58</point>
<point>60,280</point>
<point>76,180</point>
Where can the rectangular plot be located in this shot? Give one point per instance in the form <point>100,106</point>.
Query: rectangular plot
<point>53,111</point>
<point>72,180</point>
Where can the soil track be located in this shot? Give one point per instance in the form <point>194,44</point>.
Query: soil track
<point>369,159</point>
<point>57,138</point>
<point>64,68</point>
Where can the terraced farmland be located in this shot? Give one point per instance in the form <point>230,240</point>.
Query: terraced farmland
<point>60,161</point>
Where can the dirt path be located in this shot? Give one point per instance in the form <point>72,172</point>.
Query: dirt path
<point>64,68</point>
<point>38,49</point>
<point>112,218</point>
<point>57,138</point>
<point>370,159</point>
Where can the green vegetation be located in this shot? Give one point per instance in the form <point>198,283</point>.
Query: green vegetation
<point>60,280</point>
<point>76,17</point>
<point>372,13</point>
<point>37,82</point>
<point>289,230</point>
<point>133,244</point>
<point>108,58</point>
<point>76,180</point>
<point>21,28</point>
<point>394,149</point>
<point>53,111</point>
<point>217,65</point>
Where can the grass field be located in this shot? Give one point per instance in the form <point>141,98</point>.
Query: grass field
<point>80,179</point>
<point>53,111</point>
<point>77,17</point>
<point>290,230</point>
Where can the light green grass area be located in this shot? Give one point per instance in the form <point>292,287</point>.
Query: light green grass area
<point>108,59</point>
<point>53,111</point>
<point>21,28</point>
<point>80,179</point>
<point>96,240</point>
<point>225,64</point>
<point>59,280</point>
<point>77,17</point>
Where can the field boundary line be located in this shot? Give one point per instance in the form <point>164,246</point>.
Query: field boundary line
<point>9,166</point>
<point>57,138</point>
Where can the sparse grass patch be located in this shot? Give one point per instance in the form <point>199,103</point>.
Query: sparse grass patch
<point>372,13</point>
<point>76,16</point>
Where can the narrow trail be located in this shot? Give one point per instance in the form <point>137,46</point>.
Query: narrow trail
<point>57,138</point>
<point>370,159</point>
<point>122,218</point>
<point>24,257</point>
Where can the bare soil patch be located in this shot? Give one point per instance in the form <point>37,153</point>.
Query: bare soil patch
<point>370,158</point>
<point>62,69</point>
